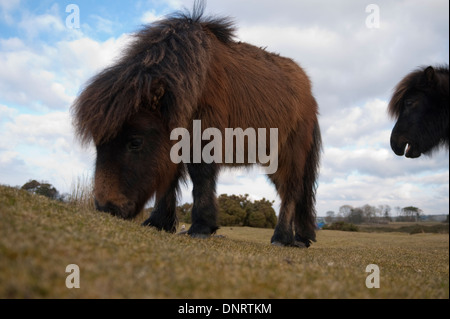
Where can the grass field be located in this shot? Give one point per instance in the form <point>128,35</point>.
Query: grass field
<point>121,259</point>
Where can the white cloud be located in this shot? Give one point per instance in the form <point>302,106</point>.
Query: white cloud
<point>357,190</point>
<point>6,113</point>
<point>274,37</point>
<point>150,17</point>
<point>25,79</point>
<point>82,58</point>
<point>361,126</point>
<point>12,44</point>
<point>6,8</point>
<point>49,77</point>
<point>49,22</point>
<point>102,24</point>
<point>9,4</point>
<point>45,145</point>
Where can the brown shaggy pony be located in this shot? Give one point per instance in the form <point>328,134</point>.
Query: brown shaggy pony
<point>421,106</point>
<point>185,68</point>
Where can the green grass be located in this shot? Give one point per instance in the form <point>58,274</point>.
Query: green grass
<point>121,259</point>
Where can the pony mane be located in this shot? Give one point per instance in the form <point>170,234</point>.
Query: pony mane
<point>164,70</point>
<point>414,81</point>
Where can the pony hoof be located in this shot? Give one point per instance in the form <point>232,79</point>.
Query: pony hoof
<point>297,244</point>
<point>300,244</point>
<point>201,236</point>
<point>277,243</point>
<point>186,232</point>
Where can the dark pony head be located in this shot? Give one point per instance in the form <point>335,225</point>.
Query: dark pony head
<point>420,104</point>
<point>129,109</point>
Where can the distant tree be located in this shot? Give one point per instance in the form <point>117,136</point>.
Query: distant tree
<point>345,210</point>
<point>364,214</point>
<point>369,213</point>
<point>398,210</point>
<point>31,186</point>
<point>261,214</point>
<point>356,216</point>
<point>256,219</point>
<point>232,209</point>
<point>184,213</point>
<point>385,212</point>
<point>330,216</point>
<point>41,188</point>
<point>411,213</point>
<point>239,210</point>
<point>64,197</point>
<point>387,217</point>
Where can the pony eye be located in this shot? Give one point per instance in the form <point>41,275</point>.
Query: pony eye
<point>408,103</point>
<point>135,143</point>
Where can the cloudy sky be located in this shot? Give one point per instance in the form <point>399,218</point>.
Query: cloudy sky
<point>45,57</point>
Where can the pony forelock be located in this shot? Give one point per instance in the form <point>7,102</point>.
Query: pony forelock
<point>414,81</point>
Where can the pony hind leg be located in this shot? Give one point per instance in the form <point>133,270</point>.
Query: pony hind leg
<point>295,215</point>
<point>295,182</point>
<point>287,187</point>
<point>283,234</point>
<point>305,226</point>
<point>305,213</point>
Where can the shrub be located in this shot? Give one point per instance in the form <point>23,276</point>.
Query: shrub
<point>41,188</point>
<point>341,226</point>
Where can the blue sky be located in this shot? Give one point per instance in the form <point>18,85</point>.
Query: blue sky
<point>99,19</point>
<point>44,64</point>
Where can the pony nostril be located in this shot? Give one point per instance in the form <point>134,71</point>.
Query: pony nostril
<point>126,211</point>
<point>107,208</point>
<point>102,208</point>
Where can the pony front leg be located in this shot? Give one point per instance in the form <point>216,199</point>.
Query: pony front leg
<point>164,216</point>
<point>204,211</point>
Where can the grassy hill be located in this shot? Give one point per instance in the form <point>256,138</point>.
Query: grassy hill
<point>121,259</point>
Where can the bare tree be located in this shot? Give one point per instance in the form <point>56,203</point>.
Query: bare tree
<point>330,216</point>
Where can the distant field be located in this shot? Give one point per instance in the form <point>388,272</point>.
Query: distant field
<point>408,227</point>
<point>121,259</point>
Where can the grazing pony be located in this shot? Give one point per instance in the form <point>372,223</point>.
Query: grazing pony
<point>184,68</point>
<point>420,104</point>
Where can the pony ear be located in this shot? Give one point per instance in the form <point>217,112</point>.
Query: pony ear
<point>429,76</point>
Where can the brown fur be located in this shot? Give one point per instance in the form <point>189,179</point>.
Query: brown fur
<point>189,67</point>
